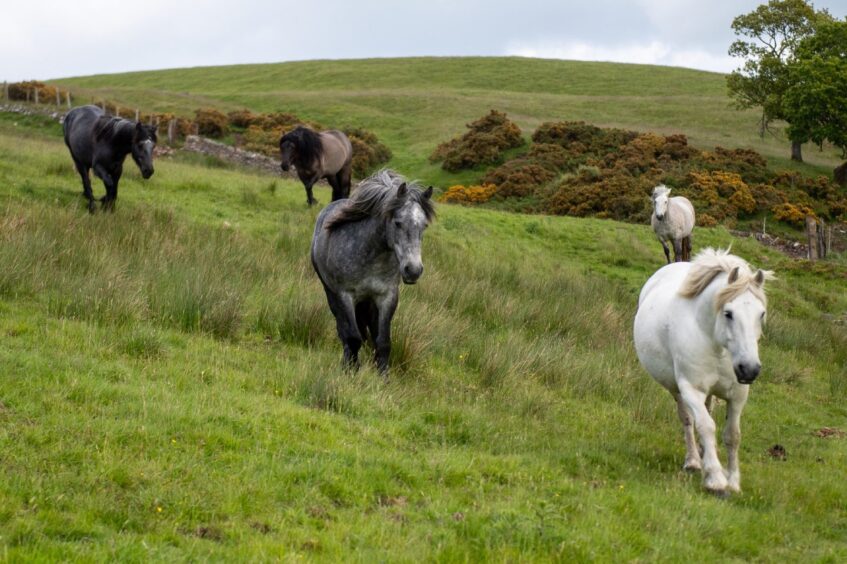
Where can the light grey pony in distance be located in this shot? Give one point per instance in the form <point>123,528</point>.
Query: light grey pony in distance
<point>361,249</point>
<point>673,221</point>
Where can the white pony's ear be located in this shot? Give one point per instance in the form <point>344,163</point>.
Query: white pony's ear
<point>733,276</point>
<point>761,276</point>
<point>401,191</point>
<point>428,193</point>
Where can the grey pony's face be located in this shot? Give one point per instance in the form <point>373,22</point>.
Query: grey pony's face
<point>404,234</point>
<point>660,204</point>
<point>286,149</point>
<point>143,143</point>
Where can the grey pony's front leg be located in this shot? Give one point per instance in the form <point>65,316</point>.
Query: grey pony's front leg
<point>348,332</point>
<point>382,340</point>
<point>667,251</point>
<point>677,250</point>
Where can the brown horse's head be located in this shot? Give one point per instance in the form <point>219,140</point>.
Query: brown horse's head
<point>300,147</point>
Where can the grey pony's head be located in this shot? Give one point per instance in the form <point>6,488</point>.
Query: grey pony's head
<point>660,197</point>
<point>406,210</point>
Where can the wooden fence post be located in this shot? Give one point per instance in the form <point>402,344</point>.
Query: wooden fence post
<point>812,235</point>
<point>5,90</point>
<point>171,131</point>
<point>35,91</point>
<point>828,237</point>
<point>58,98</point>
<point>68,97</point>
<point>136,114</point>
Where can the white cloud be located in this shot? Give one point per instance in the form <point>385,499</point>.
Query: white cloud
<point>650,53</point>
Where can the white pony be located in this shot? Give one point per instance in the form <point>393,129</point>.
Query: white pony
<point>673,220</point>
<point>697,333</point>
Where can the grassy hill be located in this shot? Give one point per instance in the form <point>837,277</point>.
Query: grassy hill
<point>171,389</point>
<point>414,104</point>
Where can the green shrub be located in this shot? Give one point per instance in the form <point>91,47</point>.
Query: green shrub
<point>240,118</point>
<point>211,122</point>
<point>484,143</point>
<point>25,91</point>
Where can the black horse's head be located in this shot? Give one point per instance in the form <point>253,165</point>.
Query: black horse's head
<point>300,147</point>
<point>143,143</point>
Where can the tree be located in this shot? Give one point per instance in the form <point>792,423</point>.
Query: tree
<point>815,102</point>
<point>768,37</point>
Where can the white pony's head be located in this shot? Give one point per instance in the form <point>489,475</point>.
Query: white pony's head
<point>660,201</point>
<point>740,305</point>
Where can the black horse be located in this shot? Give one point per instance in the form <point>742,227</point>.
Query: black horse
<point>102,142</point>
<point>327,154</point>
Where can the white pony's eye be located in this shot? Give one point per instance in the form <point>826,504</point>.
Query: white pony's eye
<point>728,315</point>
<point>398,225</point>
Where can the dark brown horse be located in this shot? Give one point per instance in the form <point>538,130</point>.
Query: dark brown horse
<point>327,154</point>
<point>101,142</point>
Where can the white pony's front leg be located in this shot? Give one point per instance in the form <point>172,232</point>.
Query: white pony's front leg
<point>732,437</point>
<point>714,478</point>
<point>692,453</point>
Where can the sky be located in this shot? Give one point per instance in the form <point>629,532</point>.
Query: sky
<point>45,39</point>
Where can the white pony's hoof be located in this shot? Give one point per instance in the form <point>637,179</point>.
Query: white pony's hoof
<point>715,482</point>
<point>721,494</point>
<point>691,466</point>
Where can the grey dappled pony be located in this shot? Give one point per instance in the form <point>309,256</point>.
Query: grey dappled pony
<point>361,249</point>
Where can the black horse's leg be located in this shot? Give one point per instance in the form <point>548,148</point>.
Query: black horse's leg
<point>667,251</point>
<point>344,177</point>
<point>336,190</point>
<point>310,199</point>
<point>385,312</point>
<point>110,184</point>
<point>113,195</point>
<point>86,185</point>
<point>345,323</point>
<point>677,250</point>
<point>686,249</point>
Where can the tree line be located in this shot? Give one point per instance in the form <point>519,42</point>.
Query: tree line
<point>795,71</point>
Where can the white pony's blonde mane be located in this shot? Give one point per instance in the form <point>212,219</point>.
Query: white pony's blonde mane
<point>709,263</point>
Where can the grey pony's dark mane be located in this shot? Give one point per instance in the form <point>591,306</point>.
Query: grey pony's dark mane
<point>375,197</point>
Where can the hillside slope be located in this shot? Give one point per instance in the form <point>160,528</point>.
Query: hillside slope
<point>171,388</point>
<point>414,104</point>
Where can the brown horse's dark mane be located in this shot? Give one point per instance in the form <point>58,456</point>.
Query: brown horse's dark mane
<point>307,142</point>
